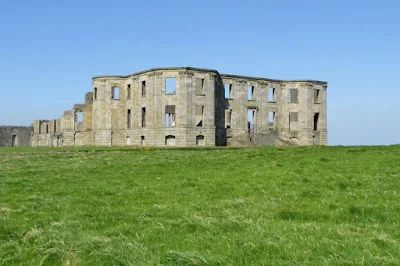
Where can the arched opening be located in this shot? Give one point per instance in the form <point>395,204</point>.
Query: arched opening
<point>200,140</point>
<point>170,140</point>
<point>142,140</point>
<point>128,140</point>
<point>14,141</point>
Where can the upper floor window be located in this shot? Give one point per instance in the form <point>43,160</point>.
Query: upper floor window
<point>250,93</point>
<point>115,93</point>
<point>228,91</point>
<point>170,85</point>
<point>316,96</point>
<point>199,86</point>
<point>271,95</point>
<point>143,88</point>
<point>129,91</point>
<point>293,95</point>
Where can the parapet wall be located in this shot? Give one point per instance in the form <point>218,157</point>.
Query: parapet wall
<point>14,136</point>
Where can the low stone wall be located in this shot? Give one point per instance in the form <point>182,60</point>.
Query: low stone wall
<point>15,136</point>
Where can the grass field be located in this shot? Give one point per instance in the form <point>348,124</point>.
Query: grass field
<point>215,206</point>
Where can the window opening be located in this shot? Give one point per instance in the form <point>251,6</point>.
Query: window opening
<point>170,85</point>
<point>143,88</point>
<point>316,117</point>
<point>293,95</point>
<point>293,121</point>
<point>115,93</point>
<point>199,115</point>
<point>199,86</point>
<point>129,92</point>
<point>170,116</point>
<point>250,93</point>
<point>271,95</point>
<point>144,117</point>
<point>200,140</point>
<point>129,119</point>
<point>228,91</point>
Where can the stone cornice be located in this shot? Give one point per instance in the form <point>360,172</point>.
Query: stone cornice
<point>205,70</point>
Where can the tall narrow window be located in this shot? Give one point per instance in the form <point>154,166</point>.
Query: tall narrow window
<point>228,91</point>
<point>129,119</point>
<point>95,93</point>
<point>250,93</point>
<point>251,119</point>
<point>78,121</point>
<point>199,116</point>
<point>316,117</point>
<point>271,119</point>
<point>144,117</point>
<point>316,96</point>
<point>199,86</point>
<point>115,93</point>
<point>228,118</point>
<point>143,89</point>
<point>271,95</point>
<point>129,92</point>
<point>170,85</point>
<point>170,115</point>
<point>293,95</point>
<point>293,121</point>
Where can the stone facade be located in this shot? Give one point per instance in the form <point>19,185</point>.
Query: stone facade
<point>14,136</point>
<point>183,106</point>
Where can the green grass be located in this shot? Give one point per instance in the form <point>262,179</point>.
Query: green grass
<point>211,206</point>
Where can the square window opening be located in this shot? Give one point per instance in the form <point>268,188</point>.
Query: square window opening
<point>271,95</point>
<point>293,95</point>
<point>250,93</point>
<point>170,116</point>
<point>115,93</point>
<point>199,86</point>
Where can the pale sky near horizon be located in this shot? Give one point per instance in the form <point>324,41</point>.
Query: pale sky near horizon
<point>50,50</point>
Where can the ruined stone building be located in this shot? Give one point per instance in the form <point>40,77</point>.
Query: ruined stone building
<point>184,106</point>
<point>15,136</point>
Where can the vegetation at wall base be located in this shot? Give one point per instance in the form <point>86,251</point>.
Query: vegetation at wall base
<point>200,206</point>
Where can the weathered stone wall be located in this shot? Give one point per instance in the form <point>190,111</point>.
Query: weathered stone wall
<point>138,109</point>
<point>15,136</point>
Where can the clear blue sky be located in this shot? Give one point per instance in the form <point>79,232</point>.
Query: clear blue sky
<point>50,50</point>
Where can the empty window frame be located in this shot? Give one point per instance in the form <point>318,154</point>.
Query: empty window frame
<point>95,94</point>
<point>271,95</point>
<point>129,119</point>
<point>250,93</point>
<point>200,140</point>
<point>228,118</point>
<point>78,120</point>
<point>199,86</point>
<point>170,85</point>
<point>316,118</point>
<point>228,91</point>
<point>199,116</point>
<point>271,118</point>
<point>293,95</point>
<point>251,118</point>
<point>316,96</point>
<point>143,88</point>
<point>143,116</point>
<point>129,91</point>
<point>115,93</point>
<point>293,121</point>
<point>170,116</point>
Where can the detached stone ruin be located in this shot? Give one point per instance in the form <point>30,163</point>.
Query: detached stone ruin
<point>184,106</point>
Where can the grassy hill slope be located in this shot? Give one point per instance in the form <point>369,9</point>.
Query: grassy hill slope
<point>211,206</point>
